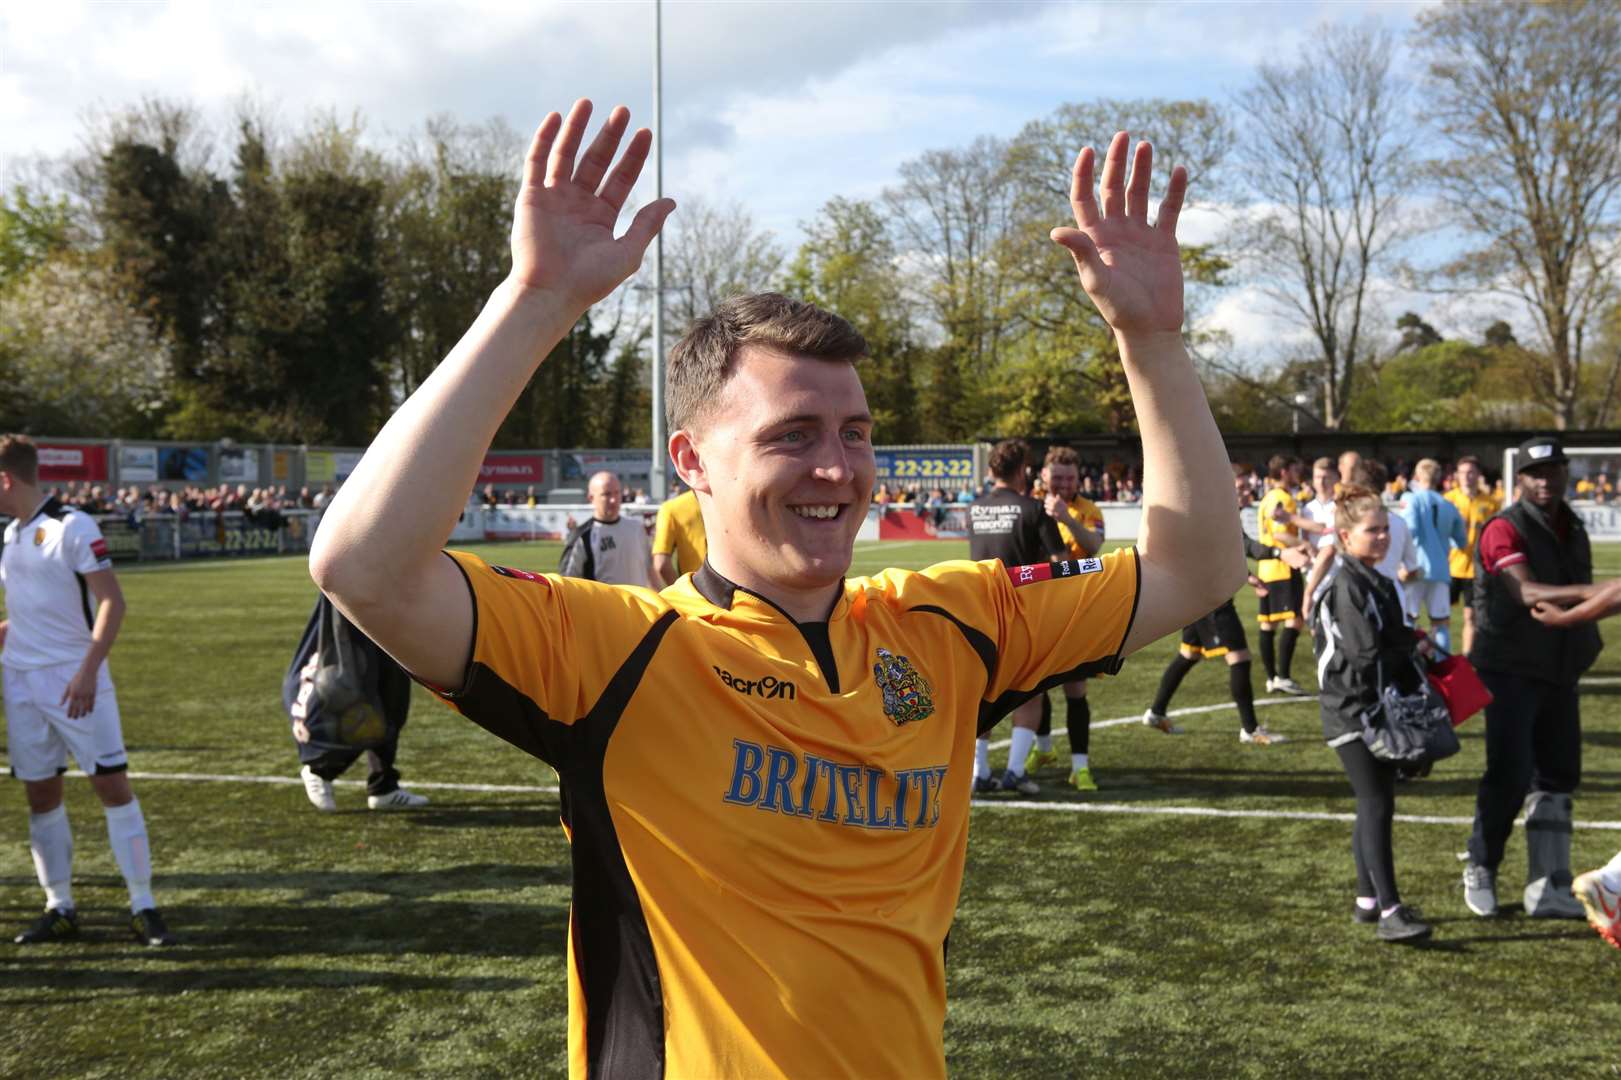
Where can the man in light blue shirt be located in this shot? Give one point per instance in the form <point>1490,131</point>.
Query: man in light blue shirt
<point>1437,527</point>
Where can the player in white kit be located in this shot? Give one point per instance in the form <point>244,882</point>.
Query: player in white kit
<point>63,610</point>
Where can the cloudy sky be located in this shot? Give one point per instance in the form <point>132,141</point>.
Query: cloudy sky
<point>776,106</point>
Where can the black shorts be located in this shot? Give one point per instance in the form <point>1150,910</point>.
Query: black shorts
<point>1217,634</point>
<point>1461,590</point>
<point>1282,600</point>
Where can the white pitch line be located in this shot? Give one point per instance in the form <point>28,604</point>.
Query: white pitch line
<point>998,804</point>
<point>1097,725</point>
<point>1215,812</point>
<point>1191,710</point>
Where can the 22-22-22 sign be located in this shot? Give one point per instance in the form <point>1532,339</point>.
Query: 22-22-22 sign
<point>925,465</point>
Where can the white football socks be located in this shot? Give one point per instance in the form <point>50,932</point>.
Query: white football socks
<point>126,831</point>
<point>982,758</point>
<point>1019,749</point>
<point>1077,761</point>
<point>50,841</point>
<point>1044,743</point>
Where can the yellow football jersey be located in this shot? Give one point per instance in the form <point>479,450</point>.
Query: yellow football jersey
<point>768,819</point>
<point>1090,516</point>
<point>679,531</point>
<point>1475,510</point>
<point>1275,534</point>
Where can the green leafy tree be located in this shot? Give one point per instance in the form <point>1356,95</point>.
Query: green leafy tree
<point>446,238</point>
<point>1065,373</point>
<point>33,228</point>
<point>849,264</point>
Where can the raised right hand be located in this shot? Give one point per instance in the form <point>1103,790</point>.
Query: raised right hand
<point>563,223</point>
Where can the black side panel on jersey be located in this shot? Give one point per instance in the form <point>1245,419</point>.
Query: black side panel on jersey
<point>613,949</point>
<point>624,1002</point>
<point>84,600</point>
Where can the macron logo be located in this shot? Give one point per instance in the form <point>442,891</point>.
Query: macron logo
<point>767,687</point>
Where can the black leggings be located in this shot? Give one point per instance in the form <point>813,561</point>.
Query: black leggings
<point>1374,782</point>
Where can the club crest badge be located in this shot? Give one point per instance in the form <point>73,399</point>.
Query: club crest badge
<point>39,536</point>
<point>907,694</point>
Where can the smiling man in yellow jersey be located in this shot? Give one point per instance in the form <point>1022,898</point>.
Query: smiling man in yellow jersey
<point>679,546</point>
<point>1476,503</point>
<point>764,768</point>
<point>1275,521</point>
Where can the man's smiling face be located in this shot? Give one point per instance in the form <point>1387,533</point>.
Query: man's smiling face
<point>787,470</point>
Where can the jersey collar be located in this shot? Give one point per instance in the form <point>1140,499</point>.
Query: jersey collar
<point>49,505</point>
<point>722,592</point>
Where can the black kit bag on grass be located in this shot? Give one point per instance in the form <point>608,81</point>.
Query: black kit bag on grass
<point>343,692</point>
<point>1411,730</point>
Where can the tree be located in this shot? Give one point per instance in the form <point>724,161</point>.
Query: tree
<point>1415,332</point>
<point>446,238</point>
<point>76,358</point>
<point>1526,99</point>
<point>950,215</point>
<point>1326,145</point>
<point>157,209</point>
<point>33,228</point>
<point>849,264</point>
<point>711,253</point>
<point>1067,375</point>
<point>304,331</point>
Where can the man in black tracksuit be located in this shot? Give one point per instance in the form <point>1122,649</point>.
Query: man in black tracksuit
<point>1535,550</point>
<point>1007,524</point>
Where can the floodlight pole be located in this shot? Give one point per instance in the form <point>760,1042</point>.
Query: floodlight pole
<point>661,454</point>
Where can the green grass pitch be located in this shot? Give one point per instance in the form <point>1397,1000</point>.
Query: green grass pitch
<point>1138,939</point>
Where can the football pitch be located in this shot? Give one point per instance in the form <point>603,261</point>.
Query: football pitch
<point>1192,918</point>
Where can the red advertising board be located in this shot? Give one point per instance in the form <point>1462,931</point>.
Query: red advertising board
<point>58,463</point>
<point>511,469</point>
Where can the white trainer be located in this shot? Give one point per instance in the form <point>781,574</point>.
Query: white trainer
<point>1285,685</point>
<point>1261,736</point>
<point>319,791</point>
<point>398,799</point>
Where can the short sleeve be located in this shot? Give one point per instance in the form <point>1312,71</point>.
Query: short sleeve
<point>663,529</point>
<point>86,549</point>
<point>1061,620</point>
<point>1500,546</point>
<point>544,649</point>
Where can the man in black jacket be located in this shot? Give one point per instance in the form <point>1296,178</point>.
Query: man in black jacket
<point>1535,551</point>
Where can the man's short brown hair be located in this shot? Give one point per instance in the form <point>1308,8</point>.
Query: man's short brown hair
<point>1062,455</point>
<point>706,355</point>
<point>1008,458</point>
<point>20,457</point>
<point>1277,464</point>
<point>1325,463</point>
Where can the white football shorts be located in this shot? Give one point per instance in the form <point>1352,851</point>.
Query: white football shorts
<point>1433,598</point>
<point>39,733</point>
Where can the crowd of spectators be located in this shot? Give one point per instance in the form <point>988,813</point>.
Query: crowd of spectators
<point>135,503</point>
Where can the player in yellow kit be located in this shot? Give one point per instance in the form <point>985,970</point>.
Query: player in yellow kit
<point>679,546</point>
<point>1281,606</point>
<point>765,767</point>
<point>1080,526</point>
<point>1476,504</point>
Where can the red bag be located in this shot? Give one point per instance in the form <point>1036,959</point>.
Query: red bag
<point>1459,685</point>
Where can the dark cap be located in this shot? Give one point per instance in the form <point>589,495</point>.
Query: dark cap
<point>1541,450</point>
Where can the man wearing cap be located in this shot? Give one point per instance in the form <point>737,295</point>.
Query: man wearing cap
<point>1535,551</point>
